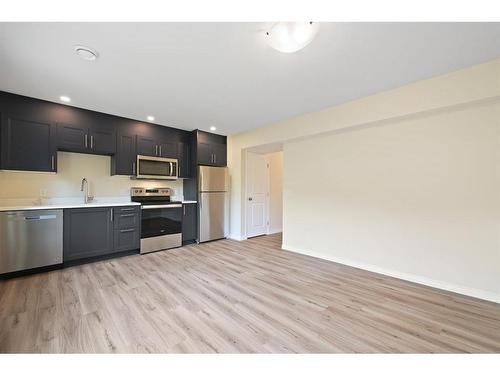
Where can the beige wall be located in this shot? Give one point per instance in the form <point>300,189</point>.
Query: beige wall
<point>418,199</point>
<point>275,161</point>
<point>414,115</point>
<point>72,167</point>
<point>464,87</point>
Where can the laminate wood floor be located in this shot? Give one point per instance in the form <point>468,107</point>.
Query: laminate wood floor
<point>231,297</point>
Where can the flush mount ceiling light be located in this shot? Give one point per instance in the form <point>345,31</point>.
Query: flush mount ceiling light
<point>65,99</point>
<point>151,118</point>
<point>290,37</point>
<point>213,128</point>
<point>86,53</point>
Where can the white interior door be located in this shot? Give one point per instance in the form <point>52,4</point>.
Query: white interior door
<point>257,194</point>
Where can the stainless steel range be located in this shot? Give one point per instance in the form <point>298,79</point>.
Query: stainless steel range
<point>161,223</point>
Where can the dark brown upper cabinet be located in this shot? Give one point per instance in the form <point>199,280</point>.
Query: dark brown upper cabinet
<point>27,144</point>
<point>168,149</point>
<point>211,149</point>
<point>102,141</point>
<point>32,131</point>
<point>125,159</point>
<point>157,141</point>
<point>184,157</point>
<point>91,140</point>
<point>147,145</point>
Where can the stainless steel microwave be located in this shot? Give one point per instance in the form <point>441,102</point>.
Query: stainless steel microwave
<point>153,167</point>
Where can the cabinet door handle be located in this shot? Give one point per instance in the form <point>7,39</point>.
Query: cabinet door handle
<point>92,142</point>
<point>53,163</point>
<point>127,230</point>
<point>133,168</point>
<point>156,150</point>
<point>215,158</point>
<point>86,141</point>
<point>111,211</point>
<point>160,151</point>
<point>184,209</point>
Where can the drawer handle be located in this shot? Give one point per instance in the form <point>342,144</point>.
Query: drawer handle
<point>127,209</point>
<point>127,215</point>
<point>127,230</point>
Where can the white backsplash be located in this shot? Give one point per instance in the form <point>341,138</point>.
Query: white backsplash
<point>28,187</point>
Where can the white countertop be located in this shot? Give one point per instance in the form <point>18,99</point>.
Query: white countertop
<point>180,198</point>
<point>59,203</point>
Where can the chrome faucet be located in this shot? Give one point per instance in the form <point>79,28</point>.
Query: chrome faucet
<point>85,188</point>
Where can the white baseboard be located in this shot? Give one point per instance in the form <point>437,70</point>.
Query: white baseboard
<point>471,292</point>
<point>274,231</point>
<point>235,237</point>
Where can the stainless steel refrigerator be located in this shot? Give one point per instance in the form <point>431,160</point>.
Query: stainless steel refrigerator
<point>213,203</point>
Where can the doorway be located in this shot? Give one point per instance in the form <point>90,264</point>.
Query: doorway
<point>264,192</point>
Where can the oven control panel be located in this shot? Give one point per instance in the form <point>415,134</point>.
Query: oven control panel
<point>150,192</point>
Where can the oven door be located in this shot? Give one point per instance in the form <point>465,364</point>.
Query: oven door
<point>152,167</point>
<point>161,227</point>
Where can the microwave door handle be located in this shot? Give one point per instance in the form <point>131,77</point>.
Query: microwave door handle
<point>170,168</point>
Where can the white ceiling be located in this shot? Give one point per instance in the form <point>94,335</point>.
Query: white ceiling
<point>194,75</point>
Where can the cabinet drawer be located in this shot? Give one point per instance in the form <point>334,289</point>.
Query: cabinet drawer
<point>126,239</point>
<point>127,209</point>
<point>125,220</point>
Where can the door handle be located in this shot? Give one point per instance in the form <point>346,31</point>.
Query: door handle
<point>86,141</point>
<point>111,211</point>
<point>133,168</point>
<point>160,150</point>
<point>41,217</point>
<point>127,230</point>
<point>184,209</point>
<point>127,209</point>
<point>92,142</point>
<point>53,163</point>
<point>156,150</point>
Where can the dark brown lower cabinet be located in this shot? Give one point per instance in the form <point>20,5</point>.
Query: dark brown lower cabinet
<point>96,231</point>
<point>126,239</point>
<point>189,222</point>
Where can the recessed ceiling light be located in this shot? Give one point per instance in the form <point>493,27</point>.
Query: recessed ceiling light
<point>86,53</point>
<point>65,99</point>
<point>151,118</point>
<point>213,128</point>
<point>291,36</point>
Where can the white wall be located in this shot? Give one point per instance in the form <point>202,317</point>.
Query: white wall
<point>437,225</point>
<point>463,87</point>
<point>418,199</point>
<point>72,167</point>
<point>275,161</point>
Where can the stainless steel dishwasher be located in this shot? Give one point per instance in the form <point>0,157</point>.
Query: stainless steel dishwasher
<point>30,239</point>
